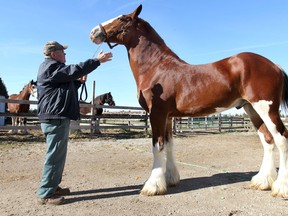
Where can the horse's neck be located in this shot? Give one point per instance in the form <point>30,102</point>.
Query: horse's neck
<point>99,100</point>
<point>149,50</point>
<point>25,93</point>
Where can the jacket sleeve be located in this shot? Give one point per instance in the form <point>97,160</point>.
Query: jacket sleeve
<point>77,84</point>
<point>66,73</point>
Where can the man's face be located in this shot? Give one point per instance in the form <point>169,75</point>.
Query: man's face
<point>59,55</point>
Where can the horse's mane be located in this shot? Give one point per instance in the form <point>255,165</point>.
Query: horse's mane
<point>102,95</point>
<point>151,33</point>
<point>31,82</point>
<point>154,37</point>
<point>26,85</point>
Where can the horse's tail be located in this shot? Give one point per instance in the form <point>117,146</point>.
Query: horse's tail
<point>285,92</point>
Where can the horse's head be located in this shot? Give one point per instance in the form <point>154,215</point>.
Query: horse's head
<point>32,85</point>
<point>117,30</point>
<point>106,98</point>
<point>109,99</point>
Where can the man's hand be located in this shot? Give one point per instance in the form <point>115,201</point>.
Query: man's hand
<point>83,79</point>
<point>104,57</point>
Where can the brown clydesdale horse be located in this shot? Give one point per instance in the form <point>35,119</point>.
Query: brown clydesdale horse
<point>106,98</point>
<point>169,87</point>
<point>29,89</point>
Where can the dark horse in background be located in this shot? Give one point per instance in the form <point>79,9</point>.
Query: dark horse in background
<point>106,98</point>
<point>29,89</point>
<point>169,87</point>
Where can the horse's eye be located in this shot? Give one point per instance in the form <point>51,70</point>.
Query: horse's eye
<point>123,19</point>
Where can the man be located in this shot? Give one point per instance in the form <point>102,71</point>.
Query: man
<point>57,88</point>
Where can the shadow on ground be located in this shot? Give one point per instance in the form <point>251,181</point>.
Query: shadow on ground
<point>185,185</point>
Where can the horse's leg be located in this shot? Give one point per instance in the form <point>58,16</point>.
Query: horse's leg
<point>156,184</point>
<point>267,174</point>
<point>270,116</point>
<point>19,123</point>
<point>16,119</point>
<point>13,124</point>
<point>172,174</point>
<point>23,122</point>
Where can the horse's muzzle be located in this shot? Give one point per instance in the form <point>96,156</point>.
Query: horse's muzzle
<point>97,36</point>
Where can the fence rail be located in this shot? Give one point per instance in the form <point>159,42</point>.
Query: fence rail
<point>122,117</point>
<point>212,123</point>
<point>125,117</point>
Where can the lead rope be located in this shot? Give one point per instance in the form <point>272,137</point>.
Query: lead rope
<point>96,51</point>
<point>83,87</point>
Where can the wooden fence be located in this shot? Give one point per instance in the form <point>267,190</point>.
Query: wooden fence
<point>217,123</point>
<point>124,117</point>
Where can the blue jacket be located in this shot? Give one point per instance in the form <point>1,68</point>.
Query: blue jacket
<point>57,88</point>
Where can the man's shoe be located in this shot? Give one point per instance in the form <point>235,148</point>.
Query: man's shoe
<point>54,200</point>
<point>62,191</point>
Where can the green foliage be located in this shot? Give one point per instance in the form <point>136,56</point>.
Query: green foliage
<point>3,90</point>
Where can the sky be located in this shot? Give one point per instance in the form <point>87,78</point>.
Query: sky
<point>198,31</point>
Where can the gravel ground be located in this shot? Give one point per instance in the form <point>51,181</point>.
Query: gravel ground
<point>106,175</point>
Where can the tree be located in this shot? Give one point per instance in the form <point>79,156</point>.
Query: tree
<point>3,90</point>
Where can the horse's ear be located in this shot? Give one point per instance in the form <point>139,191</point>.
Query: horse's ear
<point>136,13</point>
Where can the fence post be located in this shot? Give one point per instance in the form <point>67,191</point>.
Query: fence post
<point>231,122</point>
<point>219,121</point>
<point>96,120</point>
<point>146,122</point>
<point>2,110</point>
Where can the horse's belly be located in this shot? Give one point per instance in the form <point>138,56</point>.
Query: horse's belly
<point>198,109</point>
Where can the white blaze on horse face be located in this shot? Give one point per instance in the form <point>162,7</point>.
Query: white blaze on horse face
<point>34,91</point>
<point>96,34</point>
<point>110,21</point>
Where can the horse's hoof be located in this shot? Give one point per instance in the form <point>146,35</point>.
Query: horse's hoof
<point>152,188</point>
<point>152,192</point>
<point>261,182</point>
<point>280,189</point>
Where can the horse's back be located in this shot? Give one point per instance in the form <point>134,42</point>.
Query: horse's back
<point>252,73</point>
<point>254,64</point>
<point>236,79</point>
<point>261,79</point>
<point>16,107</point>
<point>13,97</point>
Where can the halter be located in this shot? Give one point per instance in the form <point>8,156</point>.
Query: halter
<point>122,30</point>
<point>106,37</point>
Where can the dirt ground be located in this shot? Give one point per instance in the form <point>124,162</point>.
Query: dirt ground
<point>105,176</point>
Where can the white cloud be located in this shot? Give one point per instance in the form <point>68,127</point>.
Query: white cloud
<point>245,48</point>
<point>18,48</point>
